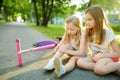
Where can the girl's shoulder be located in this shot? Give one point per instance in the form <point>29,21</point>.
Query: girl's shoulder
<point>108,31</point>
<point>109,35</point>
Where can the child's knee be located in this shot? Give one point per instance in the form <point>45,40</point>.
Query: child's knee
<point>79,63</point>
<point>100,70</point>
<point>74,58</point>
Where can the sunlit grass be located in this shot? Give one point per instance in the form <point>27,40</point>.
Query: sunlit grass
<point>118,39</point>
<point>116,30</point>
<point>2,21</point>
<point>52,31</point>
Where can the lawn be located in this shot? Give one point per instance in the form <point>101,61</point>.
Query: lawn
<point>54,30</point>
<point>2,21</point>
<point>116,29</point>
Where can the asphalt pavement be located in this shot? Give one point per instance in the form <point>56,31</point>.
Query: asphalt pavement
<point>32,61</point>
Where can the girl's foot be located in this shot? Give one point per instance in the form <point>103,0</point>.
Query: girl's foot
<point>49,66</point>
<point>59,68</point>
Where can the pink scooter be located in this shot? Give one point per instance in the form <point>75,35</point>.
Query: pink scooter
<point>39,46</point>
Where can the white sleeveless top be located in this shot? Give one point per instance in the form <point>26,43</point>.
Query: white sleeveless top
<point>105,47</point>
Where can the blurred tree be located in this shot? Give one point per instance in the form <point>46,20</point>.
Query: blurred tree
<point>50,7</point>
<point>47,6</point>
<point>1,1</point>
<point>36,12</point>
<point>63,10</point>
<point>90,3</point>
<point>11,7</point>
<point>44,10</point>
<point>106,4</point>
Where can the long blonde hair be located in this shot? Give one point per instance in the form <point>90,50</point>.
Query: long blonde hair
<point>100,19</point>
<point>75,21</point>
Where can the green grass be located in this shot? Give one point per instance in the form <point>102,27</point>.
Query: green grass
<point>54,30</point>
<point>116,29</point>
<point>2,21</point>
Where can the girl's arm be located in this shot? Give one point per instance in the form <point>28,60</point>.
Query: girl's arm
<point>60,43</point>
<point>82,48</point>
<point>114,54</point>
<point>116,50</point>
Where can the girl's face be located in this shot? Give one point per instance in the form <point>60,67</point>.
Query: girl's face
<point>90,22</point>
<point>71,29</point>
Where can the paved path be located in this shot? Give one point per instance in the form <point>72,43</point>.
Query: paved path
<point>33,62</point>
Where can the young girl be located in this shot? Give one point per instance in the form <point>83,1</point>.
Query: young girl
<point>70,45</point>
<point>101,40</point>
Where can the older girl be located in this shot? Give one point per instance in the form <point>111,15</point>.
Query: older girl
<point>101,40</point>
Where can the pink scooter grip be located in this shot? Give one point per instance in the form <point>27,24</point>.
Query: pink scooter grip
<point>43,47</point>
<point>18,47</point>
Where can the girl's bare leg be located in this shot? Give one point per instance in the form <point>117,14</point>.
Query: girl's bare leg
<point>85,63</point>
<point>50,64</point>
<point>57,54</point>
<point>105,66</point>
<point>71,63</point>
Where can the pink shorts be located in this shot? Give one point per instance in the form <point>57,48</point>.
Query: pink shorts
<point>115,59</point>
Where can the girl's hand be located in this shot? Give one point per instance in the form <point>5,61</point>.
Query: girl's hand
<point>57,47</point>
<point>97,57</point>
